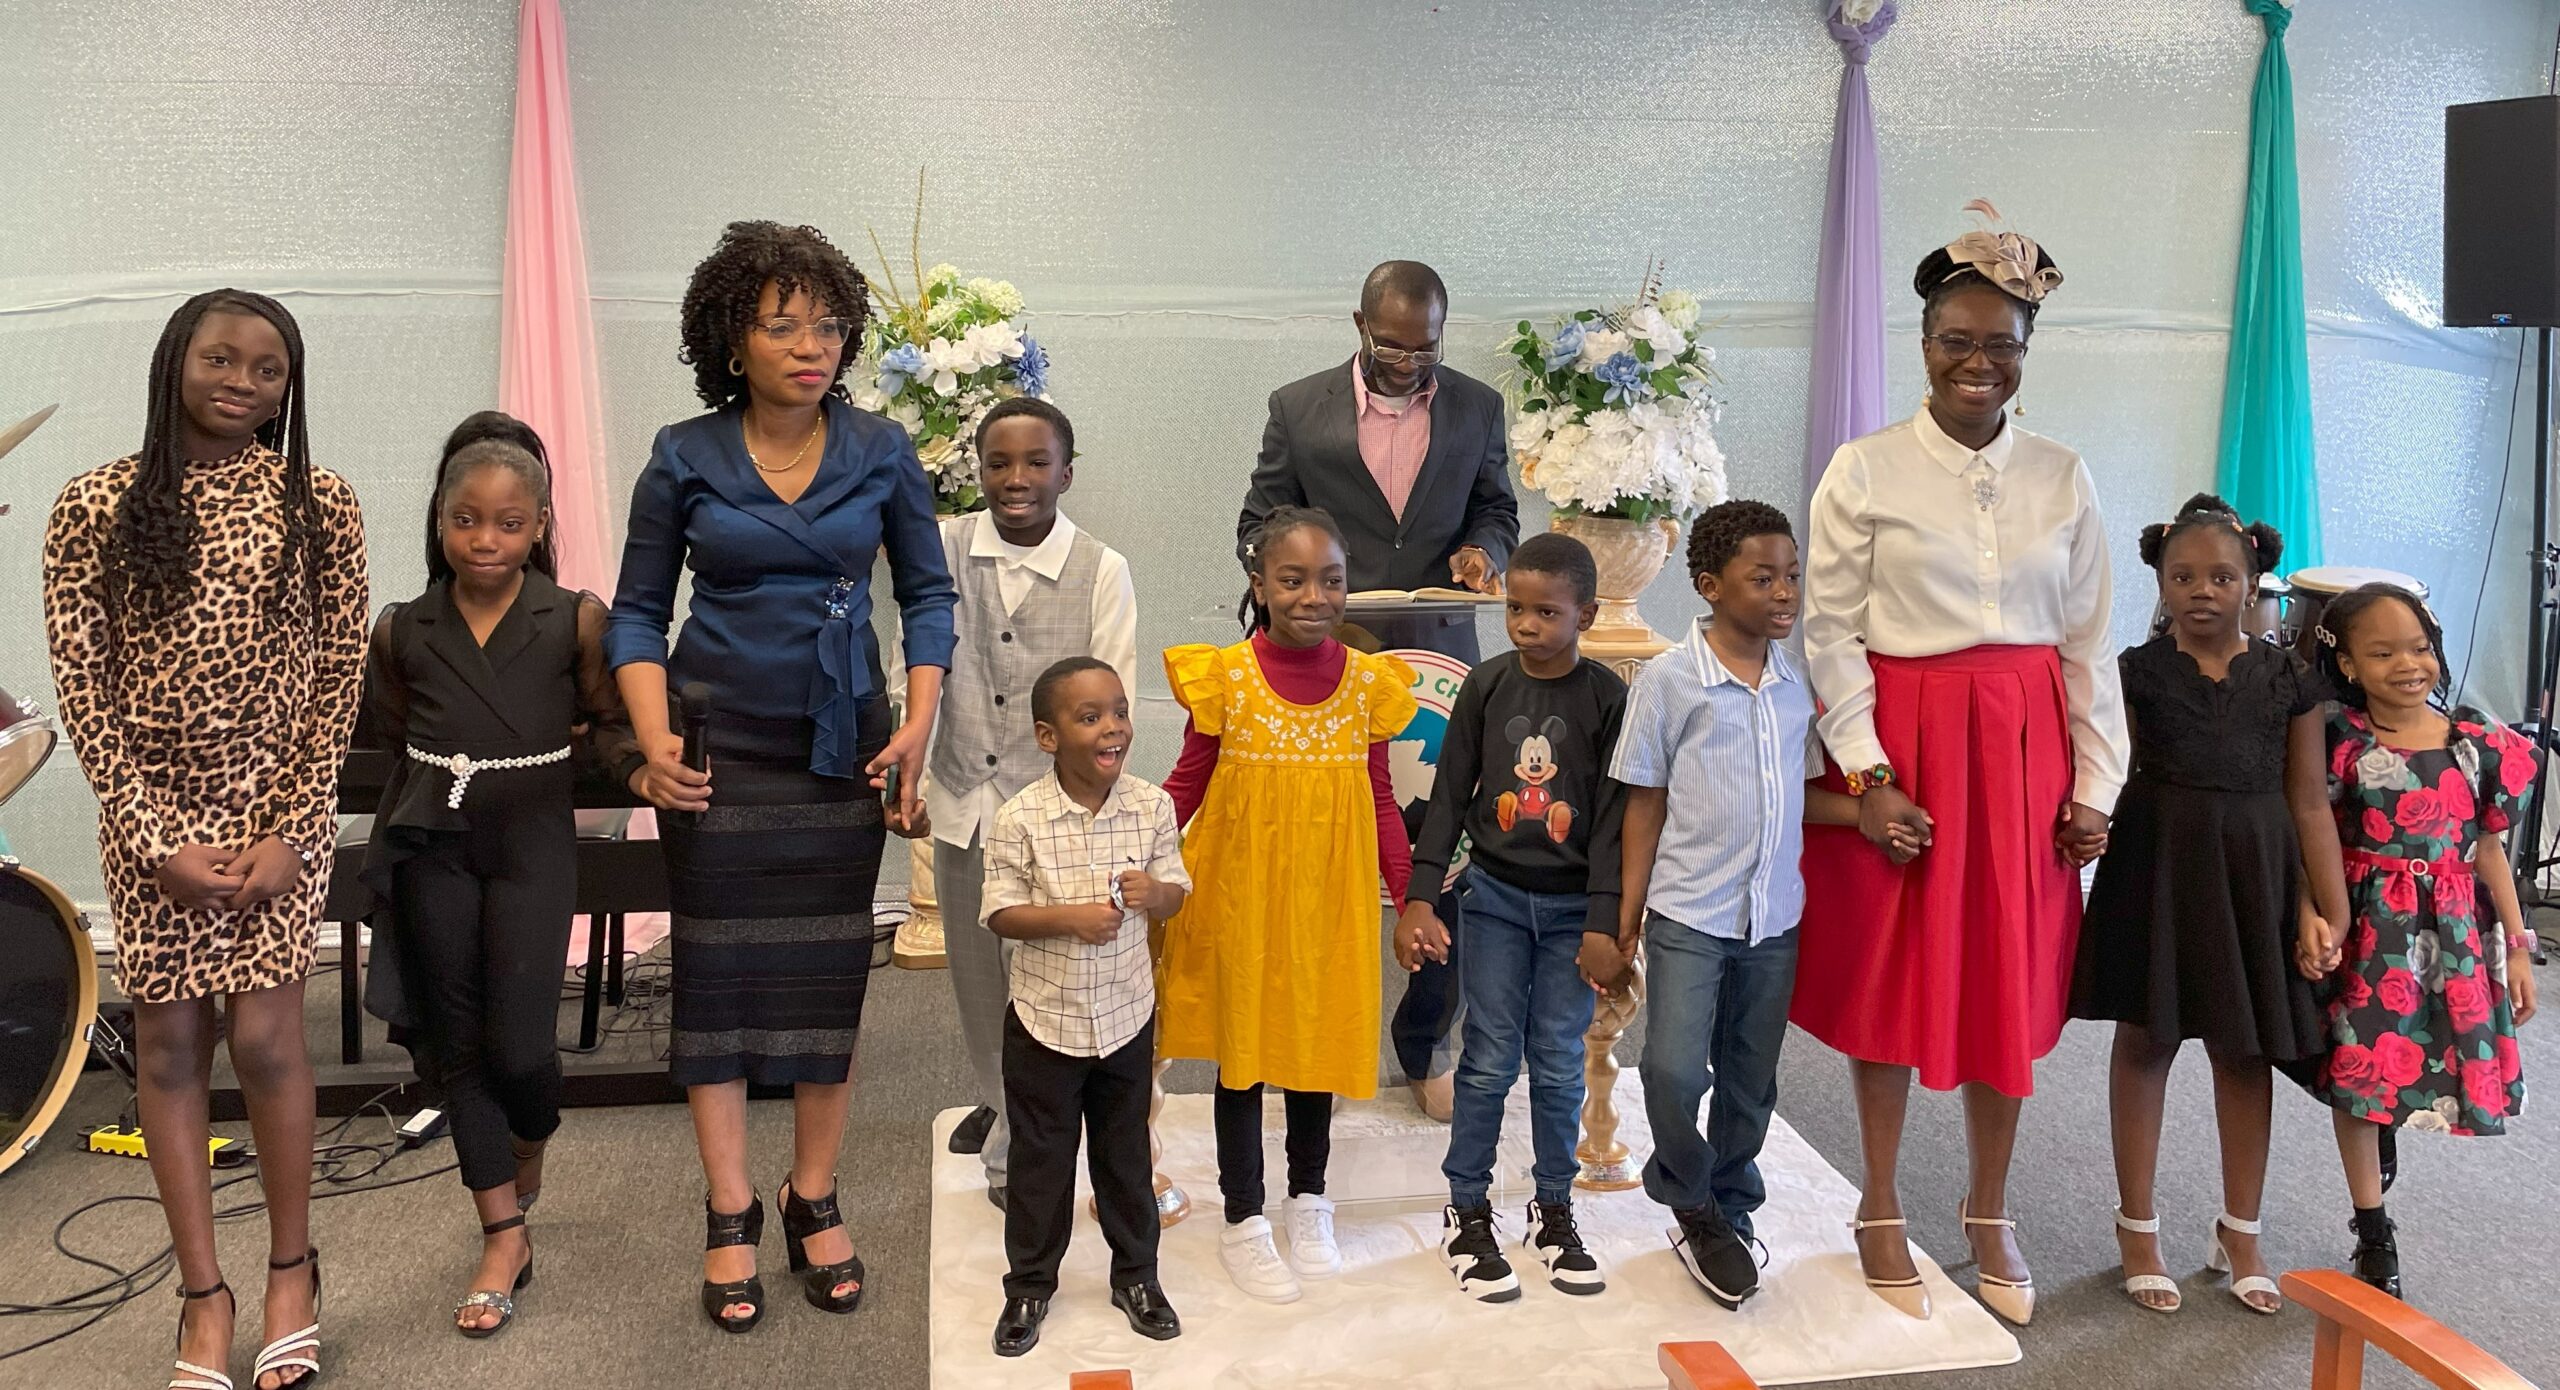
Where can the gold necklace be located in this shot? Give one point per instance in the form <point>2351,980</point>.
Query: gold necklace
<point>760,464</point>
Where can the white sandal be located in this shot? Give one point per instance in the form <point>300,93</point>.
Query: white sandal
<point>1908,1296</point>
<point>296,1351</point>
<point>2219,1261</point>
<point>2136,1285</point>
<point>2014,1299</point>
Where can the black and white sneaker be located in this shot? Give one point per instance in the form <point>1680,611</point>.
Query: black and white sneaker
<point>1467,1243</point>
<point>1715,1255</point>
<point>1558,1246</point>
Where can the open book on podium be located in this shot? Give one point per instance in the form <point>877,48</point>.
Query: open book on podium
<point>1406,598</point>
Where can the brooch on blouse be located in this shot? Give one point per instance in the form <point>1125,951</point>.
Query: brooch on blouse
<point>1986,491</point>
<point>840,599</point>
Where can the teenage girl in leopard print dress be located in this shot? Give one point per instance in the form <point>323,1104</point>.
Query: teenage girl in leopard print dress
<point>205,606</point>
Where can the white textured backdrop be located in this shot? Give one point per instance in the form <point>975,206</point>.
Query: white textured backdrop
<point>1188,194</point>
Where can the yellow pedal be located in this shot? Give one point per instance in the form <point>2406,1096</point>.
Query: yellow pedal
<point>127,1143</point>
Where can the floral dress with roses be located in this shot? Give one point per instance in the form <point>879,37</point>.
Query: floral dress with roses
<point>2419,1027</point>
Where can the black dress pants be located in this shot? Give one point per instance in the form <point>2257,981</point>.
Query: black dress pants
<point>1051,1100</point>
<point>484,933</point>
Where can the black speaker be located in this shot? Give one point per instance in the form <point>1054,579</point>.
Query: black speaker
<point>2502,214</point>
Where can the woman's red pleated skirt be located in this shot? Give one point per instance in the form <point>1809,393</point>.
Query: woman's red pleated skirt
<point>1958,964</point>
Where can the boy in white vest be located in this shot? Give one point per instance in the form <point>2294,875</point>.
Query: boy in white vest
<point>1034,590</point>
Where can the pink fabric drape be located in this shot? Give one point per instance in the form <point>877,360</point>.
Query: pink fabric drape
<point>547,343</point>
<point>546,340</point>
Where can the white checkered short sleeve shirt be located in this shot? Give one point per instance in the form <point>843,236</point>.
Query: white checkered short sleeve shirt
<point>1075,997</point>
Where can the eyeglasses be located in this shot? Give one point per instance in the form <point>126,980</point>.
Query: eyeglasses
<point>1398,357</point>
<point>1958,347</point>
<point>783,332</point>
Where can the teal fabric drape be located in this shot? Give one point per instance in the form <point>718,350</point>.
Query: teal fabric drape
<point>2267,467</point>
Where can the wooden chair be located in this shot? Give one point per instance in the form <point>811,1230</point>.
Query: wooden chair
<point>2352,1314</point>
<point>1703,1366</point>
<point>1689,1366</point>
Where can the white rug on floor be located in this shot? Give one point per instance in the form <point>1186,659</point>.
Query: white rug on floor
<point>1395,1317</point>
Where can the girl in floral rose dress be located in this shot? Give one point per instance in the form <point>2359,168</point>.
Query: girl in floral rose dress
<point>2430,987</point>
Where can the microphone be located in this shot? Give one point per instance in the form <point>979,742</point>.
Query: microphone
<point>695,701</point>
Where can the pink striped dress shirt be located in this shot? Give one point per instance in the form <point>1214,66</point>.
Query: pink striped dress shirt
<point>1393,442</point>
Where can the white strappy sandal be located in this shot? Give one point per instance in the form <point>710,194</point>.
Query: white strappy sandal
<point>1907,1296</point>
<point>189,1375</point>
<point>2136,1285</point>
<point>2219,1261</point>
<point>295,1351</point>
<point>2014,1299</point>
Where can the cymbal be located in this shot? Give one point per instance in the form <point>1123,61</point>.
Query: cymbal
<point>16,434</point>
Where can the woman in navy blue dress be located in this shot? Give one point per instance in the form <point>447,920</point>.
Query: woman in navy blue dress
<point>776,502</point>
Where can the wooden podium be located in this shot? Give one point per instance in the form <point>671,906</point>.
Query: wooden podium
<point>1607,1165</point>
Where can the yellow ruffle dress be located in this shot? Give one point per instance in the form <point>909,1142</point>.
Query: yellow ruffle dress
<point>1271,969</point>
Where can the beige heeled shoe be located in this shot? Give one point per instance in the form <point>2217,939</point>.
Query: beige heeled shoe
<point>2136,1285</point>
<point>2013,1299</point>
<point>1908,1296</point>
<point>2218,1260</point>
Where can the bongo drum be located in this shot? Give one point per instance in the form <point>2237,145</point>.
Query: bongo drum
<point>2314,589</point>
<point>48,997</point>
<point>27,736</point>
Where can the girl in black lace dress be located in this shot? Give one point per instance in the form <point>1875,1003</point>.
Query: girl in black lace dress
<point>2202,922</point>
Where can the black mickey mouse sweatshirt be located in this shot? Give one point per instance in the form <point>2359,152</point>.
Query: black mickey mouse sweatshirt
<point>1523,771</point>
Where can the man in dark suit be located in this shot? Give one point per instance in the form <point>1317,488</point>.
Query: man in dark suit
<point>1412,461</point>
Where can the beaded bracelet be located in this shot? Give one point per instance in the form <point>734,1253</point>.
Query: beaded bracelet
<point>1881,775</point>
<point>2522,941</point>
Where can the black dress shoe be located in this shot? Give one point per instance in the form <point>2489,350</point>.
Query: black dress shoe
<point>970,1135</point>
<point>1018,1330</point>
<point>1149,1315</point>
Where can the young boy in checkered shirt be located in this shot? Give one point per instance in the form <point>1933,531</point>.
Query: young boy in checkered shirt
<point>1079,863</point>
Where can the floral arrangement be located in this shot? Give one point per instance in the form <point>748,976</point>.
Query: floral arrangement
<point>1611,414</point>
<point>937,357</point>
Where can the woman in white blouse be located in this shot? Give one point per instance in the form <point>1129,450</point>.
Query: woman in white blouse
<point>1956,598</point>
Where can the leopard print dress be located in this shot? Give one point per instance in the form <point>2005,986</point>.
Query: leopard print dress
<point>219,726</point>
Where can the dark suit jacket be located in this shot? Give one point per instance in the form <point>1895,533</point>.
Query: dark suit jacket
<point>1311,458</point>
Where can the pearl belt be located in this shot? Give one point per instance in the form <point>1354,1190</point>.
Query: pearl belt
<point>463,767</point>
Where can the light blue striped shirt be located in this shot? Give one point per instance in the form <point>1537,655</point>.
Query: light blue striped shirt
<point>1734,759</point>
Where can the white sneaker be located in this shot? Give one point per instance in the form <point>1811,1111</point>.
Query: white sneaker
<point>1311,1246</point>
<point>1251,1259</point>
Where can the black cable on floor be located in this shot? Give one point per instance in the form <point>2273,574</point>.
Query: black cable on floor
<point>340,1167</point>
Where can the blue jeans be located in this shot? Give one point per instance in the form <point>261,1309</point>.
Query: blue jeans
<point>1523,996</point>
<point>1718,1014</point>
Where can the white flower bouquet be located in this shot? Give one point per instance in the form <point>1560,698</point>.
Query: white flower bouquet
<point>937,359</point>
<point>1611,415</point>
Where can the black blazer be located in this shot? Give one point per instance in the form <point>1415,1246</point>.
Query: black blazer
<point>1311,458</point>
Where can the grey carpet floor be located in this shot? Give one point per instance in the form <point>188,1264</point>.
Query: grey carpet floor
<point>619,1228</point>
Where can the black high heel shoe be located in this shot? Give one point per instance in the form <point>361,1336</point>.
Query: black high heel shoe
<point>802,1219</point>
<point>188,1375</point>
<point>503,1303</point>
<point>721,1230</point>
<point>2377,1257</point>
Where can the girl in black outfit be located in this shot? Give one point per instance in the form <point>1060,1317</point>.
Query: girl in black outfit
<point>491,693</point>
<point>2220,894</point>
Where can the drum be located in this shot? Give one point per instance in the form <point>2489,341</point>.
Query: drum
<point>2312,589</point>
<point>27,736</point>
<point>48,997</point>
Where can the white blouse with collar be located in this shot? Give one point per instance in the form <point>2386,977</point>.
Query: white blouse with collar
<point>1918,546</point>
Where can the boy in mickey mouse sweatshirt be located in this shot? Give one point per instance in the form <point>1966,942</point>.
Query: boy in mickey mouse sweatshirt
<point>1523,772</point>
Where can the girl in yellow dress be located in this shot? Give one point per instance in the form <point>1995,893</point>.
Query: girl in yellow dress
<point>1271,970</point>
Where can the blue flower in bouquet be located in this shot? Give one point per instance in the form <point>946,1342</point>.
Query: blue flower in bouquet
<point>1031,369</point>
<point>1623,375</point>
<point>898,366</point>
<point>1567,346</point>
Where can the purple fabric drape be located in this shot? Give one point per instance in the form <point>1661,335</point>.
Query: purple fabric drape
<point>1846,396</point>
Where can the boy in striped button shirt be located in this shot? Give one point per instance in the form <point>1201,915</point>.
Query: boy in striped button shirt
<point>1079,863</point>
